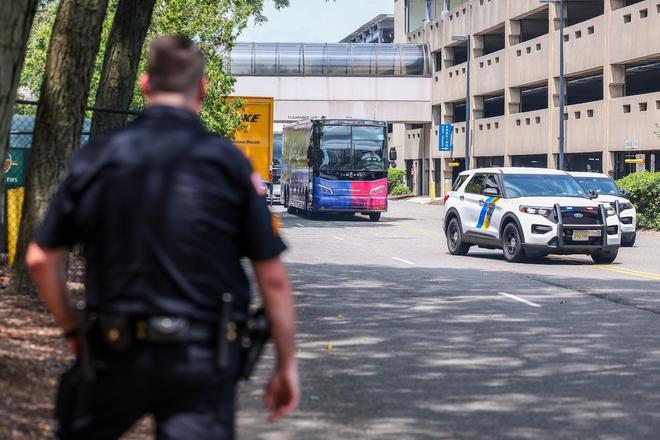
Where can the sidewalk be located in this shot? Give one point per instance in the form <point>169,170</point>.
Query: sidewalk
<point>425,200</point>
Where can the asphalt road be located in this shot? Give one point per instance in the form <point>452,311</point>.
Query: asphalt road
<point>399,339</point>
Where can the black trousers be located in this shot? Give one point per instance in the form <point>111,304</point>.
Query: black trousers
<point>180,384</point>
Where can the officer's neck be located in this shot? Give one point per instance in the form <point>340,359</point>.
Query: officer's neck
<point>175,100</point>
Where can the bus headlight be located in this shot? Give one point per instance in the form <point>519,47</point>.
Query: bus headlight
<point>378,191</point>
<point>325,190</point>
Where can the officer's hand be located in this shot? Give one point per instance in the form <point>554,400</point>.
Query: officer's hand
<point>283,392</point>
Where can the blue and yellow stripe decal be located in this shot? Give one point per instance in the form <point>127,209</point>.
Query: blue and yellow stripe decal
<point>487,212</point>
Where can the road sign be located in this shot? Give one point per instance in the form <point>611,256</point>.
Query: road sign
<point>15,168</point>
<point>445,137</point>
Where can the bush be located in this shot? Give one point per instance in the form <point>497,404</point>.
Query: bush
<point>395,177</point>
<point>400,190</point>
<point>644,190</point>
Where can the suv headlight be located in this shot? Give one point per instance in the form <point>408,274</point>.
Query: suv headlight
<point>625,205</point>
<point>545,212</point>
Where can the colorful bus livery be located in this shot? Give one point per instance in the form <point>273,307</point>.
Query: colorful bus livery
<point>337,165</point>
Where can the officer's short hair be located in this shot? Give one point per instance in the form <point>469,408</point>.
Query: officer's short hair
<point>174,64</point>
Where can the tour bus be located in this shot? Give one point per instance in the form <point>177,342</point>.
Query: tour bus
<point>336,165</point>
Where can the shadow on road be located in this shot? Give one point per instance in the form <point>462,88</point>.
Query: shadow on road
<point>422,353</point>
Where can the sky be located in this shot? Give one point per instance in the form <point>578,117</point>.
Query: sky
<point>315,20</point>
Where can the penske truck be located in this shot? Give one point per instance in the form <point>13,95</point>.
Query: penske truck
<point>255,138</point>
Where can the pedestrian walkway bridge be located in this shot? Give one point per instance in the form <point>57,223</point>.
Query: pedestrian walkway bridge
<point>389,82</point>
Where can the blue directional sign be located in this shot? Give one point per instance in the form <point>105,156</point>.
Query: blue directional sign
<point>445,137</point>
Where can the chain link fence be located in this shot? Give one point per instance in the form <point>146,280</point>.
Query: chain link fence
<point>15,169</point>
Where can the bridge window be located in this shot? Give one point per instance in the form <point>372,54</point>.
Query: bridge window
<point>364,60</point>
<point>241,60</point>
<point>340,59</point>
<point>337,59</point>
<point>265,59</point>
<point>290,59</point>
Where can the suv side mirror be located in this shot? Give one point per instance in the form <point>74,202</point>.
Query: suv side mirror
<point>392,154</point>
<point>490,191</point>
<point>625,193</point>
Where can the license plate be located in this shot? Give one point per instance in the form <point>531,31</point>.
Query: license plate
<point>580,235</point>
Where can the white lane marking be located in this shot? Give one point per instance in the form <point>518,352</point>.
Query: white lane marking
<point>517,298</point>
<point>298,224</point>
<point>339,238</point>
<point>404,261</point>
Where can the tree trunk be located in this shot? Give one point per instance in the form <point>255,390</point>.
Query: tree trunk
<point>120,64</point>
<point>15,23</point>
<point>72,51</point>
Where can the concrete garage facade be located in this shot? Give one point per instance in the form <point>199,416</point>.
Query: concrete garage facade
<point>612,68</point>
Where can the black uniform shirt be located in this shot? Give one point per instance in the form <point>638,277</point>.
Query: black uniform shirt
<point>164,211</point>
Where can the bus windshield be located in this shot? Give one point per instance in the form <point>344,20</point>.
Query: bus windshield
<point>351,148</point>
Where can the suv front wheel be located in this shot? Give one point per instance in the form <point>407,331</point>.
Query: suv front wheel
<point>604,257</point>
<point>512,244</point>
<point>455,239</point>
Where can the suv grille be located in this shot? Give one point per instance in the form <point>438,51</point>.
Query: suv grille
<point>580,216</point>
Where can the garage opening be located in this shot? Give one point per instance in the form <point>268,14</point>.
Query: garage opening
<point>493,106</point>
<point>533,98</point>
<point>578,11</point>
<point>490,161</point>
<point>460,53</point>
<point>592,162</point>
<point>530,161</point>
<point>535,25</point>
<point>490,42</point>
<point>642,78</point>
<point>584,89</point>
<point>459,111</point>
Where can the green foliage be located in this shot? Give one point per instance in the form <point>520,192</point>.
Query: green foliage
<point>400,190</point>
<point>395,177</point>
<point>645,195</point>
<point>213,24</point>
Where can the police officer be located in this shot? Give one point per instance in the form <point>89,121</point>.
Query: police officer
<point>164,211</point>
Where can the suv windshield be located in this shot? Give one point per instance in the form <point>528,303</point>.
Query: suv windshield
<point>541,185</point>
<point>602,185</point>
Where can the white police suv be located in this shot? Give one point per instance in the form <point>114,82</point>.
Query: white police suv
<point>608,193</point>
<point>528,212</point>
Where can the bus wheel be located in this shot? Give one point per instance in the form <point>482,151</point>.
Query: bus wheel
<point>374,216</point>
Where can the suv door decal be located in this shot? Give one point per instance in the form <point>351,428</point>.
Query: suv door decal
<point>487,212</point>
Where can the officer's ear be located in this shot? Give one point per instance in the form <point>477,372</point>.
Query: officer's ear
<point>145,86</point>
<point>203,86</point>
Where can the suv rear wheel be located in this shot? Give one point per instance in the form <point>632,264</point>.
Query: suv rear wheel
<point>512,244</point>
<point>455,239</point>
<point>604,257</point>
<point>629,242</point>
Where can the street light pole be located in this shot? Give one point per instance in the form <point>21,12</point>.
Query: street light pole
<point>467,110</point>
<point>561,84</point>
<point>466,38</point>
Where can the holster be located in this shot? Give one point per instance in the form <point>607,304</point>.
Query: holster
<point>253,341</point>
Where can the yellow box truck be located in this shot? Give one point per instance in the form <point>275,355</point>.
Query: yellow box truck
<point>255,139</point>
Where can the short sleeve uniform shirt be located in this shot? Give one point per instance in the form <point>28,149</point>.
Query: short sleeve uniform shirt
<point>164,211</point>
